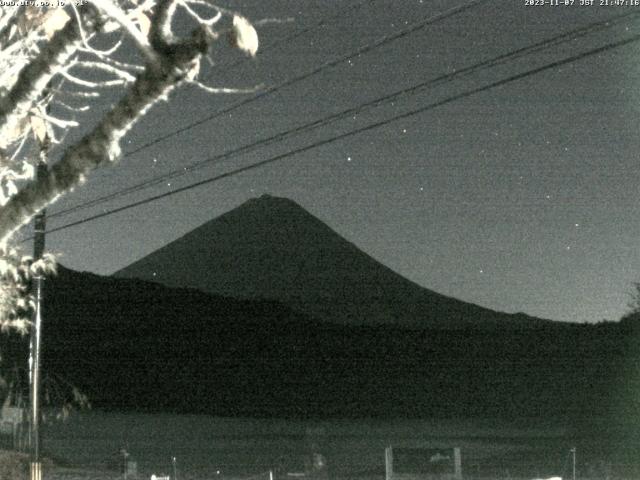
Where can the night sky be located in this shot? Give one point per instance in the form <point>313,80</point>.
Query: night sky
<point>520,198</point>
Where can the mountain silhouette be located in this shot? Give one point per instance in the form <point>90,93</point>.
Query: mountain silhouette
<point>272,248</point>
<point>265,311</point>
<point>135,345</point>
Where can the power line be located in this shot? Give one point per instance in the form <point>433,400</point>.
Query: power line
<point>332,63</point>
<point>411,113</point>
<point>500,59</point>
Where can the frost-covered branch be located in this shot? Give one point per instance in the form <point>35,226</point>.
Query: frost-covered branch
<point>117,14</point>
<point>47,56</point>
<point>33,79</point>
<point>217,90</point>
<point>101,146</point>
<point>160,32</point>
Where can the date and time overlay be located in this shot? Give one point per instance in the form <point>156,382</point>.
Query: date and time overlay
<point>43,3</point>
<point>527,3</point>
<point>582,3</point>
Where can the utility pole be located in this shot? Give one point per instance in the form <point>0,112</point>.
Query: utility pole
<point>573,453</point>
<point>34,351</point>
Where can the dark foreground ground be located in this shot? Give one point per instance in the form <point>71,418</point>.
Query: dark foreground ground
<point>207,448</point>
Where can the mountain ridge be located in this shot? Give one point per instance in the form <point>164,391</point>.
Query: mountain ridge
<point>138,345</point>
<point>272,248</point>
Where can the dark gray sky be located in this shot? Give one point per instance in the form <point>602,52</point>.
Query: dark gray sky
<point>520,198</point>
